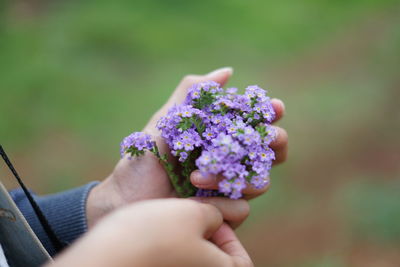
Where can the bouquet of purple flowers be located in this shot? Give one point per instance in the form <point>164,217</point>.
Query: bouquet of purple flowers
<point>218,132</point>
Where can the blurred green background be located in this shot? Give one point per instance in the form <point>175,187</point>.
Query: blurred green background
<point>78,76</point>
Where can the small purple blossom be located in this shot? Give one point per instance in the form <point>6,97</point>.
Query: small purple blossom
<point>209,134</point>
<point>258,167</point>
<point>259,182</point>
<point>239,184</point>
<point>236,194</point>
<point>183,156</point>
<point>136,141</point>
<point>225,187</point>
<point>206,193</point>
<point>231,90</point>
<point>178,144</point>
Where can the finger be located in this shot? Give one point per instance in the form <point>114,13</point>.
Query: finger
<point>207,218</point>
<point>220,76</point>
<point>280,145</point>
<point>279,108</point>
<point>228,242</point>
<point>281,138</point>
<point>211,182</point>
<point>281,155</point>
<point>233,211</point>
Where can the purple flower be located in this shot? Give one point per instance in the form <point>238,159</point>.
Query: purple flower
<point>137,141</point>
<point>206,193</point>
<point>239,184</point>
<point>271,134</point>
<point>183,156</point>
<point>194,92</point>
<point>258,167</point>
<point>266,155</point>
<point>252,154</point>
<point>255,91</point>
<point>222,139</point>
<point>217,119</point>
<point>204,159</point>
<point>188,146</point>
<point>209,134</point>
<point>236,194</point>
<point>259,182</point>
<point>225,187</point>
<point>208,86</point>
<point>231,90</point>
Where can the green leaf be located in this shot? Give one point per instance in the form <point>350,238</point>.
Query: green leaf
<point>205,99</point>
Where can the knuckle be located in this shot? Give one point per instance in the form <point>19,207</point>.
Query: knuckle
<point>194,208</point>
<point>206,210</point>
<point>197,211</point>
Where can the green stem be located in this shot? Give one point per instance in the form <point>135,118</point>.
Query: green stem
<point>188,167</point>
<point>169,168</point>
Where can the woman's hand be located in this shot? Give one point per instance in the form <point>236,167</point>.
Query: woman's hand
<point>279,145</point>
<point>145,178</point>
<point>173,232</point>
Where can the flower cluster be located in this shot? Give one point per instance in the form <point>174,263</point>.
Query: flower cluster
<point>136,144</point>
<point>220,132</point>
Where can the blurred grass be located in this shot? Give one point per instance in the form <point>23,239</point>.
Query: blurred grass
<point>373,209</point>
<point>77,76</point>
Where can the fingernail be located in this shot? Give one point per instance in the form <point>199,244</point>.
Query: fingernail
<point>221,70</point>
<point>200,179</point>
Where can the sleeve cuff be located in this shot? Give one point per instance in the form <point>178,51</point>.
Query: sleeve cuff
<point>65,211</point>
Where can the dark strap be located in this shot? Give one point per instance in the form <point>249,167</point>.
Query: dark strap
<point>45,224</point>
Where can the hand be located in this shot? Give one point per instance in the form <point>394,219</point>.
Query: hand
<point>144,178</point>
<point>279,145</point>
<point>174,232</point>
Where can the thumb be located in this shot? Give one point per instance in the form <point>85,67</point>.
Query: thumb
<point>228,242</point>
<point>206,218</point>
<point>220,76</point>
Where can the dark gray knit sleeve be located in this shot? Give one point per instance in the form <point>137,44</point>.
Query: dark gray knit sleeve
<point>65,211</point>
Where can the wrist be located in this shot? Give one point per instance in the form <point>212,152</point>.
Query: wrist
<point>100,202</point>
